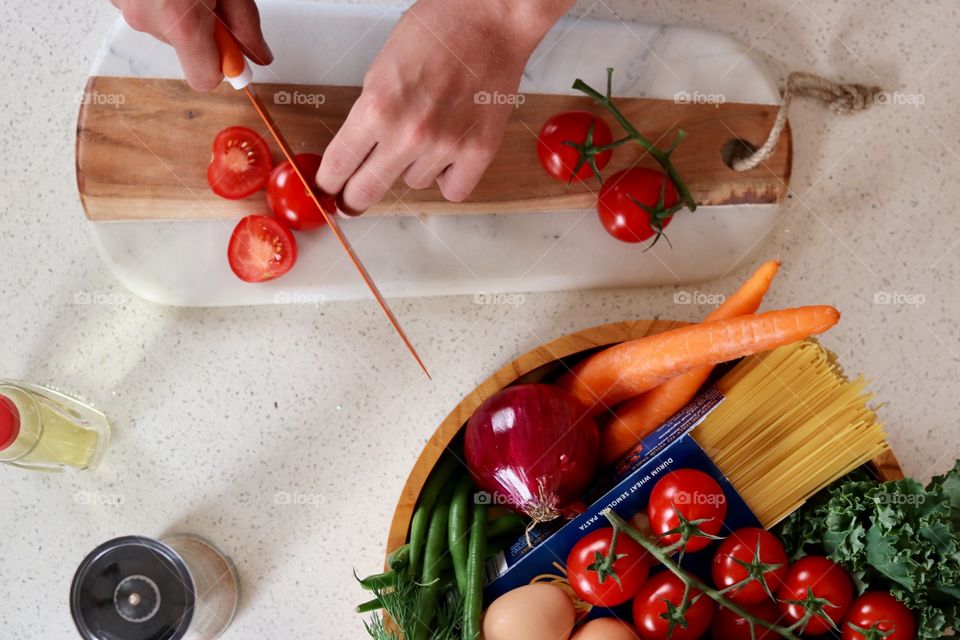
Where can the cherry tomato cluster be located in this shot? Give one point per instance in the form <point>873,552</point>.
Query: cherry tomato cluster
<point>262,247</point>
<point>750,569</point>
<point>635,204</point>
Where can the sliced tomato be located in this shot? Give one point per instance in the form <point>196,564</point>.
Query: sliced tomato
<point>240,165</point>
<point>290,201</point>
<point>261,249</point>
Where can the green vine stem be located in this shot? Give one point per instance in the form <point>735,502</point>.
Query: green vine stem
<point>661,156</point>
<point>663,556</point>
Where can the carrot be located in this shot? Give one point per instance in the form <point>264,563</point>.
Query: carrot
<point>637,418</point>
<point>629,369</point>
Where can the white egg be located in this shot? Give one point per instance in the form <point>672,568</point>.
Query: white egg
<point>531,612</point>
<point>605,629</point>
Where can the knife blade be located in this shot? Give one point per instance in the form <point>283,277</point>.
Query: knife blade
<point>237,72</point>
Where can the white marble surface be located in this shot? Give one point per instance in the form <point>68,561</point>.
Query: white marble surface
<point>544,251</point>
<point>219,410</point>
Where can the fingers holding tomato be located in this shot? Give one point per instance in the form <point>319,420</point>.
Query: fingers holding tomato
<point>290,201</point>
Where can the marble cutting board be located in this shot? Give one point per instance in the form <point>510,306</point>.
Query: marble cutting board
<point>182,262</point>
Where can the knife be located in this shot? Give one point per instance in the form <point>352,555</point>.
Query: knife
<point>237,72</point>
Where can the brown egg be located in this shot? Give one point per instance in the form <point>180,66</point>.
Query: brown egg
<point>605,629</point>
<point>531,612</point>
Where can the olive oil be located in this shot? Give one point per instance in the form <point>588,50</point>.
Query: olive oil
<point>46,430</point>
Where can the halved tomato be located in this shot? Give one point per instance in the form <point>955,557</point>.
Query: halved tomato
<point>240,165</point>
<point>261,249</point>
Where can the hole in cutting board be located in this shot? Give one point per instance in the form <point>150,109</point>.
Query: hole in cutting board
<point>736,149</point>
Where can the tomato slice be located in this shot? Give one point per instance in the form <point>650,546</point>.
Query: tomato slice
<point>290,201</point>
<point>261,249</point>
<point>240,165</point>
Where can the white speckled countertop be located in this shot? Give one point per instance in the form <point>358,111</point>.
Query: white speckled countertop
<point>217,411</point>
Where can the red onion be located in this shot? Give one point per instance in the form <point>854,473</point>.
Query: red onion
<point>533,447</point>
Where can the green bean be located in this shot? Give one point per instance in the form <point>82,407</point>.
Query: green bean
<point>457,530</point>
<point>373,605</point>
<point>379,581</point>
<point>473,597</point>
<point>421,515</point>
<point>509,523</point>
<point>400,558</point>
<point>436,549</point>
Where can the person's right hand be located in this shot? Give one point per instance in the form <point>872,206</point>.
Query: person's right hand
<point>187,25</point>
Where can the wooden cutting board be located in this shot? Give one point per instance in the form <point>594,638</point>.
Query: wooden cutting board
<point>144,141</point>
<point>145,157</point>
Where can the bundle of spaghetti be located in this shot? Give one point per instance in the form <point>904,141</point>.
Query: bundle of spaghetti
<point>790,424</point>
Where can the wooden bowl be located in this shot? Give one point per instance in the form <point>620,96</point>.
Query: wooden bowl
<point>885,467</point>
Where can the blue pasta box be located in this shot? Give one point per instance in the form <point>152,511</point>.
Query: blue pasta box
<point>626,491</point>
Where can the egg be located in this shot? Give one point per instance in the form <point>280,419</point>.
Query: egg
<point>532,612</point>
<point>605,629</point>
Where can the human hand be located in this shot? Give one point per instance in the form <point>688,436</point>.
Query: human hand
<point>187,25</point>
<point>418,115</point>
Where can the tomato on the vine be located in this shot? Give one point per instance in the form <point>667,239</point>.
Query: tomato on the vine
<point>686,496</point>
<point>744,555</point>
<point>650,608</point>
<point>880,612</point>
<point>261,249</point>
<point>601,585</point>
<point>290,201</point>
<point>727,625</point>
<point>558,158</point>
<point>816,578</point>
<point>637,204</point>
<point>240,165</point>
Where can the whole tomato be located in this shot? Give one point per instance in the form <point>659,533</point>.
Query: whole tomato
<point>558,158</point>
<point>290,201</point>
<point>650,607</point>
<point>690,494</point>
<point>741,554</point>
<point>822,578</point>
<point>604,586</point>
<point>727,625</point>
<point>623,198</point>
<point>879,611</point>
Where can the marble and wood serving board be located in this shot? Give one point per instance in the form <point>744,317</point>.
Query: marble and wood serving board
<point>144,139</point>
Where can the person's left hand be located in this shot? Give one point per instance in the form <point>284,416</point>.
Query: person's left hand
<point>436,99</point>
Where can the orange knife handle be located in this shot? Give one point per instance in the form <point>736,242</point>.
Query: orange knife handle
<point>232,61</point>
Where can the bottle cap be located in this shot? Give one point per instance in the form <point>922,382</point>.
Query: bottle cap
<point>133,588</point>
<point>9,422</point>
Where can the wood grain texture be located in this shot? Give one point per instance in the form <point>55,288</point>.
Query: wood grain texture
<point>885,467</point>
<point>143,146</point>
